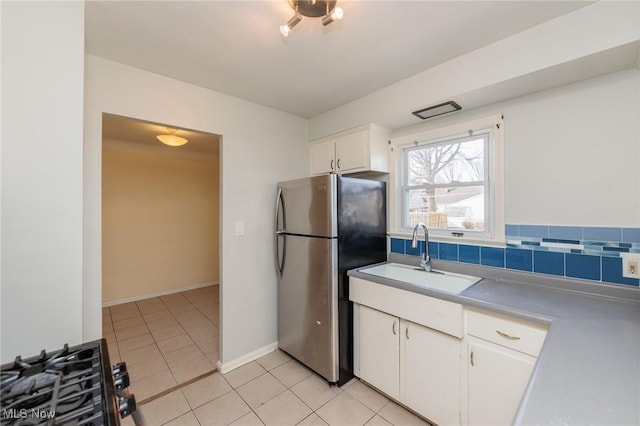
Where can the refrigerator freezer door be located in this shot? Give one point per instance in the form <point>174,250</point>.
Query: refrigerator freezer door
<point>362,241</point>
<point>307,207</point>
<point>307,303</point>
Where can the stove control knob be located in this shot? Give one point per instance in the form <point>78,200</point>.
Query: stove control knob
<point>126,405</point>
<point>121,381</point>
<point>119,368</point>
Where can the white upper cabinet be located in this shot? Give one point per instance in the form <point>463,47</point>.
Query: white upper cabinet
<point>362,149</point>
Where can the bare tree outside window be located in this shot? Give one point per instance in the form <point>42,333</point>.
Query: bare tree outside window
<point>445,183</point>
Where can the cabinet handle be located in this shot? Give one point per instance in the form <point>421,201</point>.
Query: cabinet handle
<point>406,332</point>
<point>508,336</point>
<point>472,363</point>
<point>338,164</point>
<point>331,164</point>
<point>394,328</point>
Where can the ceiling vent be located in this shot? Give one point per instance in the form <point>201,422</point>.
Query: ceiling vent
<point>436,110</point>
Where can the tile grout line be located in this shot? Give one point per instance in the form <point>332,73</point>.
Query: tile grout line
<point>177,387</point>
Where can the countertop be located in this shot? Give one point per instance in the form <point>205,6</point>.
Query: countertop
<point>588,371</point>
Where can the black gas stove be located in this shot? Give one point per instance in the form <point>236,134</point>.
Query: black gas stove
<point>73,386</point>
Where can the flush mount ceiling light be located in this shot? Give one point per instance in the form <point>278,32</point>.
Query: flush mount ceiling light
<point>436,110</point>
<point>171,139</point>
<point>312,9</point>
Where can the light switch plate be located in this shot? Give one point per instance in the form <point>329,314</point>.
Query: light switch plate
<point>239,225</point>
<point>630,265</point>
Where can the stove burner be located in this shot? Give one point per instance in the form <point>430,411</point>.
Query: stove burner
<point>64,388</point>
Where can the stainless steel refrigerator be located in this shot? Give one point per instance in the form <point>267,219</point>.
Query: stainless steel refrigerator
<point>325,225</point>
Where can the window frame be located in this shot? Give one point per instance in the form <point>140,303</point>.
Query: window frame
<point>494,178</point>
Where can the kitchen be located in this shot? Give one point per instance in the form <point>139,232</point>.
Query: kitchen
<point>563,135</point>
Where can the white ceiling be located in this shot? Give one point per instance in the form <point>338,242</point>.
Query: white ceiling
<point>235,47</point>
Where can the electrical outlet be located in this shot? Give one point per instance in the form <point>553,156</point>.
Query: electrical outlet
<point>630,265</point>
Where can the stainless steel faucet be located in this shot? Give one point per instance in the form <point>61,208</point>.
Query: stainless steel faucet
<point>425,259</point>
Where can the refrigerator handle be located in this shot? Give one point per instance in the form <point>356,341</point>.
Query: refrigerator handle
<point>277,233</point>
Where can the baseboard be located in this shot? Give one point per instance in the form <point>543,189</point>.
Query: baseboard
<point>251,356</point>
<point>157,294</point>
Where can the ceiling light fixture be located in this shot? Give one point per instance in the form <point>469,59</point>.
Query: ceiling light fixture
<point>284,29</point>
<point>171,139</point>
<point>326,9</point>
<point>434,111</point>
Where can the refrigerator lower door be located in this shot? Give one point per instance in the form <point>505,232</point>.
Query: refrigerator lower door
<point>307,303</point>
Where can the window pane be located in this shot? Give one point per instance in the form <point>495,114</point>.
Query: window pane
<point>446,163</point>
<point>451,207</point>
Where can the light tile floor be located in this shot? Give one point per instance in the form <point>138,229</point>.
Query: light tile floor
<point>170,340</point>
<point>274,390</point>
<point>165,341</point>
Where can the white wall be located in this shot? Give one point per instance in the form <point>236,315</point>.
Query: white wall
<point>160,218</point>
<point>260,146</point>
<point>42,74</point>
<point>572,154</point>
<point>568,41</point>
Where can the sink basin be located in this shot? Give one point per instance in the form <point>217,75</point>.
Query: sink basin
<point>437,280</point>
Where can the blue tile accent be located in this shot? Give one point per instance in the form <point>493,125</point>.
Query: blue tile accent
<point>519,259</point>
<point>599,260</point>
<point>448,251</point>
<point>512,230</point>
<point>531,243</point>
<point>583,266</point>
<point>612,272</point>
<point>631,235</point>
<point>559,240</point>
<point>433,250</point>
<point>602,234</point>
<point>566,232</point>
<point>469,254</point>
<point>539,231</point>
<point>548,262</point>
<point>397,245</point>
<point>413,251</point>
<point>491,256</point>
<point>618,249</point>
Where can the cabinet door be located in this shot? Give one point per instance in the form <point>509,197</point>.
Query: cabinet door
<point>497,379</point>
<point>380,350</point>
<point>431,373</point>
<point>322,157</point>
<point>352,153</point>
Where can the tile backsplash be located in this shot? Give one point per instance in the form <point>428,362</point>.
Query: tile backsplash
<point>590,253</point>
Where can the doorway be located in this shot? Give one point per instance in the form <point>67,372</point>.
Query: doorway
<point>160,252</point>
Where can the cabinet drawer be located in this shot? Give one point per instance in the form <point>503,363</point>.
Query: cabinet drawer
<point>522,336</point>
<point>430,312</point>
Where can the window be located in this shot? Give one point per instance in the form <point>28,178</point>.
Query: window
<point>450,180</point>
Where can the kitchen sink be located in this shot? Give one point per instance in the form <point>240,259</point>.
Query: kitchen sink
<point>437,280</point>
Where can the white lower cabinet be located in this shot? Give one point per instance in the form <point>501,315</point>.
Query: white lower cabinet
<point>497,379</point>
<point>415,365</point>
<point>420,351</point>
<point>431,373</point>
<point>379,349</point>
<point>501,354</point>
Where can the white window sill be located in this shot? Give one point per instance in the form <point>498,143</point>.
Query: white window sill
<point>453,240</point>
